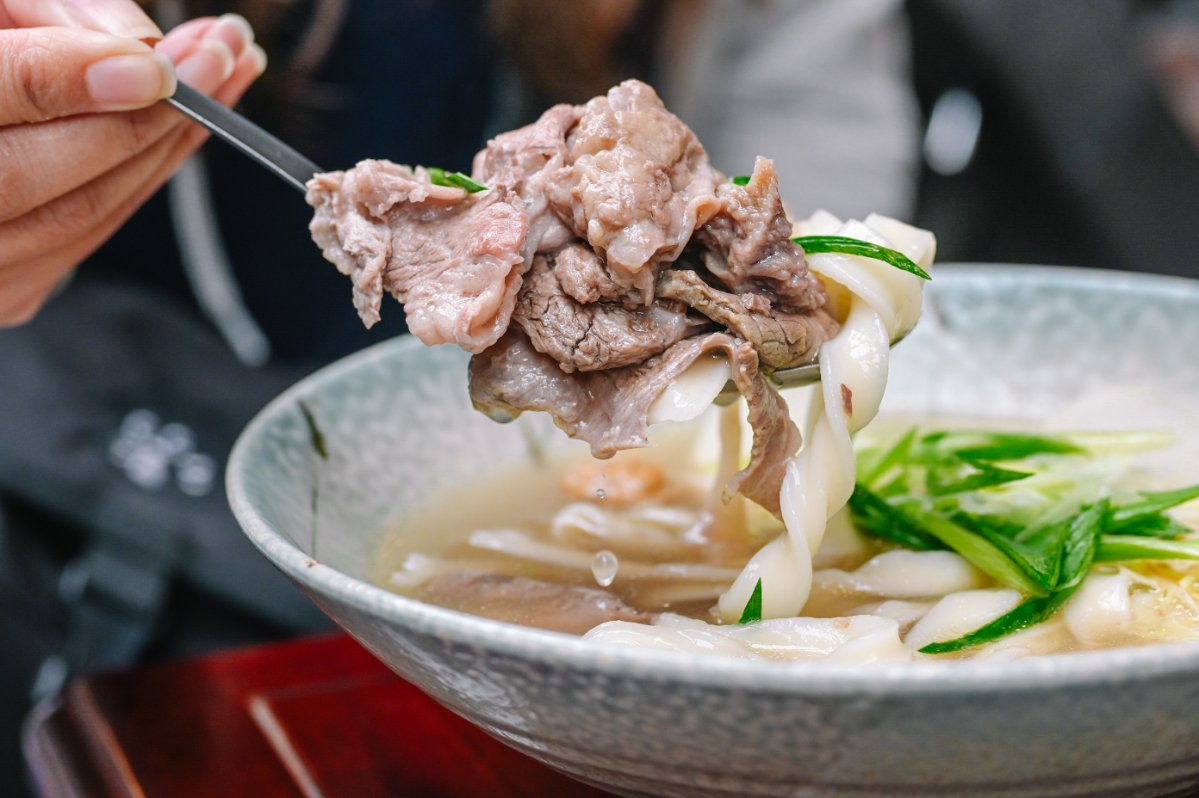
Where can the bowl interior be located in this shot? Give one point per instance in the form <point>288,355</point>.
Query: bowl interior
<point>330,465</point>
<point>1024,342</point>
<point>335,461</point>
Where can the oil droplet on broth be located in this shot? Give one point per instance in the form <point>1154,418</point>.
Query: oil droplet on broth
<point>601,494</point>
<point>603,567</point>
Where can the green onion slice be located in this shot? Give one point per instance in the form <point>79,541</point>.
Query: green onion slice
<point>1028,613</point>
<point>855,246</point>
<point>1025,509</point>
<point>1118,548</point>
<point>753,607</point>
<point>440,177</point>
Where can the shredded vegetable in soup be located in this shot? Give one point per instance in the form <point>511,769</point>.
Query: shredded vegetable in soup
<point>599,269</point>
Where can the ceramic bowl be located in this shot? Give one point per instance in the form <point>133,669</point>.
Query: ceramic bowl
<point>996,340</point>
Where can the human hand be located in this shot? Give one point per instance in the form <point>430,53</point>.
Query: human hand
<point>83,139</point>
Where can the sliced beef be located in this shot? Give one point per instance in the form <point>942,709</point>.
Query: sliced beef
<point>608,409</point>
<point>636,185</point>
<point>776,438</point>
<point>453,259</point>
<point>511,377</point>
<point>782,339</point>
<point>585,278</point>
<point>747,244</point>
<point>531,602</point>
<point>597,335</point>
<point>524,161</point>
<point>577,239</point>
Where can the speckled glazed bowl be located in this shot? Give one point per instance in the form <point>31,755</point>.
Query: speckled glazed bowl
<point>996,340</point>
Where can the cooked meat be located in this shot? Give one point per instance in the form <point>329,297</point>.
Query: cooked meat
<point>531,602</point>
<point>585,278</point>
<point>747,244</point>
<point>454,260</point>
<point>776,438</point>
<point>526,161</point>
<point>637,184</point>
<point>577,239</point>
<point>523,159</point>
<point>782,339</point>
<point>594,336</point>
<point>608,409</point>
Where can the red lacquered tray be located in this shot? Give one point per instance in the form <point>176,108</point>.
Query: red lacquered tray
<point>315,717</point>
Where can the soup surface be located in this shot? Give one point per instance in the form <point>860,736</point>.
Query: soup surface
<point>644,542</point>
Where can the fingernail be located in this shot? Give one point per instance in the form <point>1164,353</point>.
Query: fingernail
<point>123,82</point>
<point>208,67</point>
<point>260,59</point>
<point>239,23</point>
<point>231,30</point>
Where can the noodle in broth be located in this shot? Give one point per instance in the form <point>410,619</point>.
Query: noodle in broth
<point>636,551</point>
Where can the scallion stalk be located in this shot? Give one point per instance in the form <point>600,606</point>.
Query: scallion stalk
<point>854,246</point>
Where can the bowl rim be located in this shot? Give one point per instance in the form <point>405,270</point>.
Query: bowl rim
<point>1105,667</point>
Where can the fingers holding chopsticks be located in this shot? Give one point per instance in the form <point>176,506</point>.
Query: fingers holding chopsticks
<point>83,139</point>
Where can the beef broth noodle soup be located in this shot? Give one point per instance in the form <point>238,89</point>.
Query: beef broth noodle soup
<point>619,539</point>
<point>639,549</point>
<point>600,270</point>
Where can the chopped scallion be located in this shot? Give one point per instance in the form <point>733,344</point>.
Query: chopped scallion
<point>1036,523</point>
<point>1118,548</point>
<point>753,607</point>
<point>1028,613</point>
<point>440,177</point>
<point>855,246</point>
<point>1135,513</point>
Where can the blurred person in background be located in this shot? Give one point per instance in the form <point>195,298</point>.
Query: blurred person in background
<point>124,394</point>
<point>1061,133</point>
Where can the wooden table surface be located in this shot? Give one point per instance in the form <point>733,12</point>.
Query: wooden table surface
<point>314,717</point>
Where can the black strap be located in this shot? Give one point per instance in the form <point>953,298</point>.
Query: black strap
<point>114,594</point>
